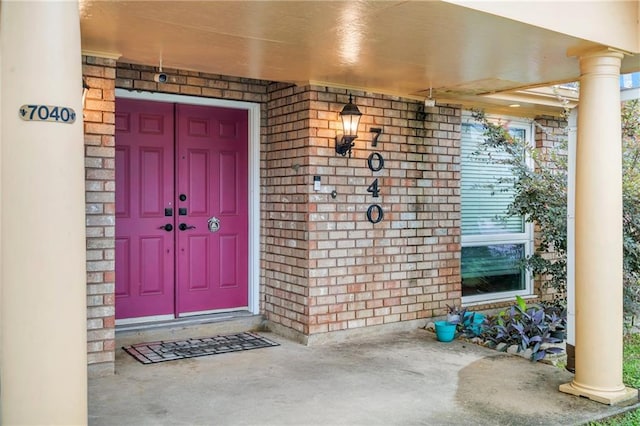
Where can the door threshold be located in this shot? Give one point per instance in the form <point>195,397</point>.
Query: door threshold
<point>201,326</point>
<point>184,321</point>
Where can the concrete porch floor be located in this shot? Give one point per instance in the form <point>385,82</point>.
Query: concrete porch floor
<point>403,378</point>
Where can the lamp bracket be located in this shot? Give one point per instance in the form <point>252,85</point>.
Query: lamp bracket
<point>344,145</point>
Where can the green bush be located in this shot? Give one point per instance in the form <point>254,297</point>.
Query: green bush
<point>631,366</point>
<point>541,197</point>
<point>631,204</point>
<point>631,418</point>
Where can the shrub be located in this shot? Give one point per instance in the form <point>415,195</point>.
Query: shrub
<point>527,327</point>
<point>541,197</point>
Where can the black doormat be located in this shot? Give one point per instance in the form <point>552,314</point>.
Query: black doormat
<point>153,352</point>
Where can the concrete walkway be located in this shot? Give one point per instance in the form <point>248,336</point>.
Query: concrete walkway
<point>397,379</point>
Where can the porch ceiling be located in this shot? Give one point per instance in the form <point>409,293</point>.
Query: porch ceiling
<point>395,47</point>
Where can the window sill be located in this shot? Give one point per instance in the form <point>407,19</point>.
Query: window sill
<point>500,300</point>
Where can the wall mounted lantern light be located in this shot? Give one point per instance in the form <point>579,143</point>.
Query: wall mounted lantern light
<point>350,116</point>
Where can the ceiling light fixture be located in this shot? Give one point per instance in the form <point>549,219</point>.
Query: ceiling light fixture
<point>430,102</point>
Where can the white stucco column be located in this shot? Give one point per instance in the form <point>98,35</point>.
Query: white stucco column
<point>43,368</point>
<point>598,234</point>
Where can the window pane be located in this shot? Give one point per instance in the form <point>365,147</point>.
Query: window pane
<point>483,207</point>
<point>492,268</point>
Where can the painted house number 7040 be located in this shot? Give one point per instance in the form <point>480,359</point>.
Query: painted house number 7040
<point>375,162</point>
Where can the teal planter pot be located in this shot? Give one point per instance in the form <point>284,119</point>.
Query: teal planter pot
<point>445,331</point>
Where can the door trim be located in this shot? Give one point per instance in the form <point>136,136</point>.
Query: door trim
<point>253,192</point>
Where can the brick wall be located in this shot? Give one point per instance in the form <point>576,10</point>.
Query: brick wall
<point>327,268</point>
<point>192,83</point>
<point>550,132</point>
<point>99,74</point>
<point>285,202</point>
<point>550,136</point>
<point>407,266</point>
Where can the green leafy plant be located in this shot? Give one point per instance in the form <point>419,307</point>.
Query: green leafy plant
<point>631,418</point>
<point>527,327</point>
<point>455,314</point>
<point>540,196</point>
<point>473,324</point>
<point>631,366</point>
<point>468,324</point>
<point>631,206</point>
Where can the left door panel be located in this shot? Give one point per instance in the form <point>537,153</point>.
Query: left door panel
<point>144,164</point>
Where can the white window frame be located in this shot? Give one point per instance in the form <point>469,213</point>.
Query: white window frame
<point>526,237</point>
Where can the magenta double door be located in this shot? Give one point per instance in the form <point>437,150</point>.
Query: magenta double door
<point>181,209</point>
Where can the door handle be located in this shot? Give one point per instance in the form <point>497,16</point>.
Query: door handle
<point>168,227</point>
<point>184,226</point>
